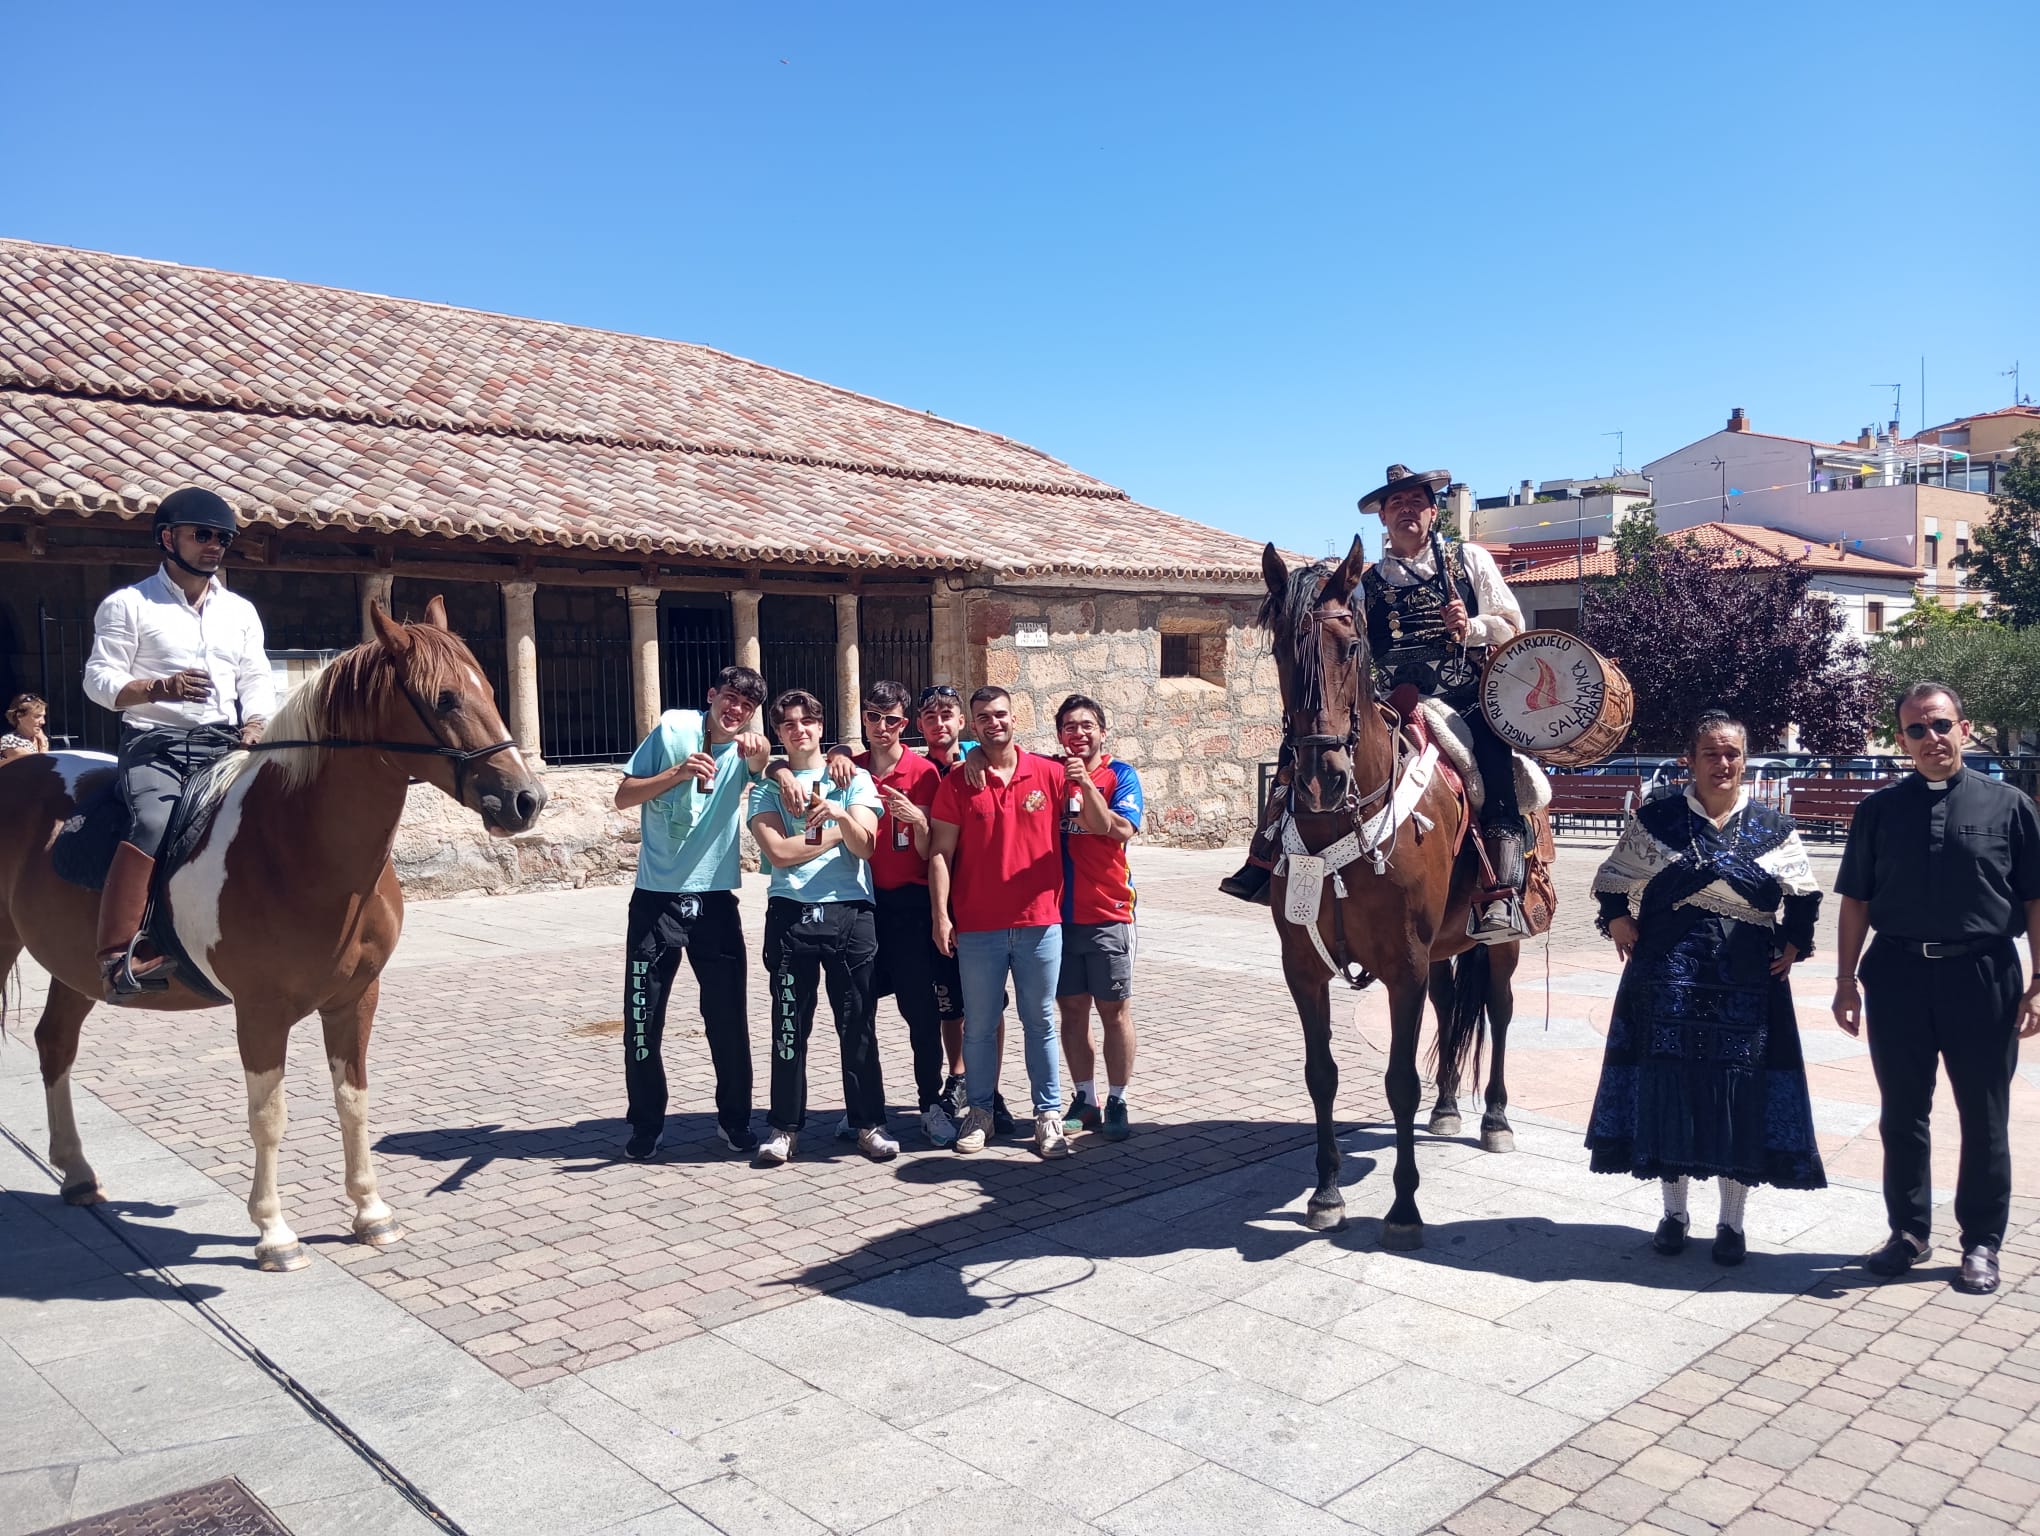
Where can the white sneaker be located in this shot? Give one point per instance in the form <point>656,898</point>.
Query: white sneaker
<point>977,1125</point>
<point>1049,1139</point>
<point>777,1148</point>
<point>875,1143</point>
<point>937,1126</point>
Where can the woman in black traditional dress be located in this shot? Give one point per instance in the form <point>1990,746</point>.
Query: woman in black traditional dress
<point>1703,1077</point>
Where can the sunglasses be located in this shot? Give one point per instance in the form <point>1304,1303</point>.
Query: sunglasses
<point>890,722</point>
<point>1918,732</point>
<point>938,692</point>
<point>211,536</point>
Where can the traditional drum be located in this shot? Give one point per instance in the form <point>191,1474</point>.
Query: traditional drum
<point>1553,697</point>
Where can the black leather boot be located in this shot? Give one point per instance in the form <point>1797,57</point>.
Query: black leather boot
<point>1249,882</point>
<point>1497,916</point>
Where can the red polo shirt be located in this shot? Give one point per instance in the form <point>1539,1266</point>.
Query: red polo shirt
<point>1008,869</point>
<point>916,778</point>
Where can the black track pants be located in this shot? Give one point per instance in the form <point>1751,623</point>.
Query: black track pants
<point>807,945</point>
<point>708,928</point>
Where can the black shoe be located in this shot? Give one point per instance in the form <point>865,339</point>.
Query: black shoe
<point>1002,1117</point>
<point>1670,1237</point>
<point>1249,882</point>
<point>1082,1115</point>
<point>1979,1275</point>
<point>642,1148</point>
<point>1729,1246</point>
<point>1117,1127</point>
<point>951,1099</point>
<point>1896,1256</point>
<point>744,1140</point>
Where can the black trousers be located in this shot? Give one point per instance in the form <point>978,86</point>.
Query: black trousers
<point>833,943</point>
<point>907,968</point>
<point>708,929</point>
<point>1963,1012</point>
<point>1500,811</point>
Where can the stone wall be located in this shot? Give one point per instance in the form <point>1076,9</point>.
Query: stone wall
<point>1196,740</point>
<point>580,839</point>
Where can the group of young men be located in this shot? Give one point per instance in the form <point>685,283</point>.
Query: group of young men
<point>939,877</point>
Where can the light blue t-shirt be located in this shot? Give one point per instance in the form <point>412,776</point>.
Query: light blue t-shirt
<point>837,875</point>
<point>688,835</point>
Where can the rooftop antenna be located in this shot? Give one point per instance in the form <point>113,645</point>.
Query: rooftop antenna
<point>1619,454</point>
<point>1896,390</point>
<point>2012,373</point>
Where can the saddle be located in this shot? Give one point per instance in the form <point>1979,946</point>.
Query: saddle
<point>82,854</point>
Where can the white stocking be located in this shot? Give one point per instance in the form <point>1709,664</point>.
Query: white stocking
<point>1733,1197</point>
<point>1675,1196</point>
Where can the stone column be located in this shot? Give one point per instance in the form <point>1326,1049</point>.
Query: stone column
<point>947,656</point>
<point>849,685</point>
<point>374,588</point>
<point>520,642</point>
<point>744,628</point>
<point>644,657</point>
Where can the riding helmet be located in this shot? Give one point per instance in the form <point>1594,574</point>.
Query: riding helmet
<point>196,507</point>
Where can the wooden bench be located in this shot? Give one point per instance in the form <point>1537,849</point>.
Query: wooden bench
<point>1577,797</point>
<point>1827,805</point>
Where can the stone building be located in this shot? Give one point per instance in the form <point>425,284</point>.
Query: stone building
<point>610,518</point>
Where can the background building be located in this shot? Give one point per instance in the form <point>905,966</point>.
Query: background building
<point>610,518</point>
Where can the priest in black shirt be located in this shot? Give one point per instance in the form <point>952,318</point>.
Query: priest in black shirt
<point>1945,865</point>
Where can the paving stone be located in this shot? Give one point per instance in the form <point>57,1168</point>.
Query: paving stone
<point>1473,1423</point>
<point>1492,1517</point>
<point>1713,1499</point>
<point>1280,1355</point>
<point>1620,1498</point>
<point>1059,1451</point>
<point>1311,1452</point>
<point>1777,1448</point>
<point>1534,1493</point>
<point>1412,1495</point>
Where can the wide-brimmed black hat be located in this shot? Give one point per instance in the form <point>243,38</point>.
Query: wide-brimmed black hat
<point>1401,476</point>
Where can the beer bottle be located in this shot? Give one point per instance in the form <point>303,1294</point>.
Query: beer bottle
<point>820,792</point>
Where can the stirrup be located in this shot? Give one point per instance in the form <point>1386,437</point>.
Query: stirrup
<point>1497,920</point>
<point>119,979</point>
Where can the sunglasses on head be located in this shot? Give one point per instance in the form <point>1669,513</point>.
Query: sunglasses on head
<point>937,691</point>
<point>1917,731</point>
<point>878,717</point>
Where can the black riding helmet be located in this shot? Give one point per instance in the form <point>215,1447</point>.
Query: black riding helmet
<point>193,507</point>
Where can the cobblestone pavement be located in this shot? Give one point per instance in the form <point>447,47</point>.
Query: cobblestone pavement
<point>1142,1337</point>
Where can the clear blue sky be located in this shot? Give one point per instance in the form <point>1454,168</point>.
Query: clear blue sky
<point>1233,258</point>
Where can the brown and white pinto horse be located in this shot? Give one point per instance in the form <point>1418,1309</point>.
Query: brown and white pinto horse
<point>288,903</point>
<point>1395,924</point>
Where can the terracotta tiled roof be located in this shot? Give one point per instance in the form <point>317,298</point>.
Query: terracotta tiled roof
<point>121,378</point>
<point>1764,548</point>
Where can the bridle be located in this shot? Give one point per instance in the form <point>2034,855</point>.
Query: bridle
<point>462,758</point>
<point>1311,670</point>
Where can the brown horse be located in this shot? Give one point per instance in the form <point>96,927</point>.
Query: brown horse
<point>288,902</point>
<point>1395,922</point>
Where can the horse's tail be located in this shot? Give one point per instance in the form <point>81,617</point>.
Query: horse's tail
<point>1463,1033</point>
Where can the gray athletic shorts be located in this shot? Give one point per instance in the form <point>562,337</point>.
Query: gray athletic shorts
<point>1097,961</point>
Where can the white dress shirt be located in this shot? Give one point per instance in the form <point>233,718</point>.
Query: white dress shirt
<point>150,630</point>
<point>1499,618</point>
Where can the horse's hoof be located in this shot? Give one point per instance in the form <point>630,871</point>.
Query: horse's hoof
<point>1326,1217</point>
<point>1402,1236</point>
<point>84,1194</point>
<point>281,1261</point>
<point>1444,1123</point>
<point>380,1234</point>
<point>1497,1138</point>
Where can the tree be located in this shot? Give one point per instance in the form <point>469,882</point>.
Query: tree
<point>1994,667</point>
<point>1636,537</point>
<point>2006,559</point>
<point>1927,617</point>
<point>1692,633</point>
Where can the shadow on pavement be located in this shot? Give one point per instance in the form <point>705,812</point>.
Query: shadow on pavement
<point>48,1252</point>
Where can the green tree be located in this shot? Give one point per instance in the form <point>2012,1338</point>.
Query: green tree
<point>1636,538</point>
<point>1994,667</point>
<point>1928,617</point>
<point>2006,559</point>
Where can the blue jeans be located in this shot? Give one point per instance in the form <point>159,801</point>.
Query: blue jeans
<point>1033,956</point>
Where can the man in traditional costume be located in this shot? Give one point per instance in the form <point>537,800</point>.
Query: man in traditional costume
<point>1433,609</point>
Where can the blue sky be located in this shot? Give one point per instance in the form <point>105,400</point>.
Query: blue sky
<point>1233,258</point>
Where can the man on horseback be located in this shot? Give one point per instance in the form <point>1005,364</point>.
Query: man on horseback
<point>1433,610</point>
<point>181,659</point>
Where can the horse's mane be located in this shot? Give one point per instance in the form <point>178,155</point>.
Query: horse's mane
<point>346,699</point>
<point>1291,608</point>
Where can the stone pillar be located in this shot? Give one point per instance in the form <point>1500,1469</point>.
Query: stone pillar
<point>374,588</point>
<point>744,629</point>
<point>644,657</point>
<point>520,643</point>
<point>849,685</point>
<point>947,654</point>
